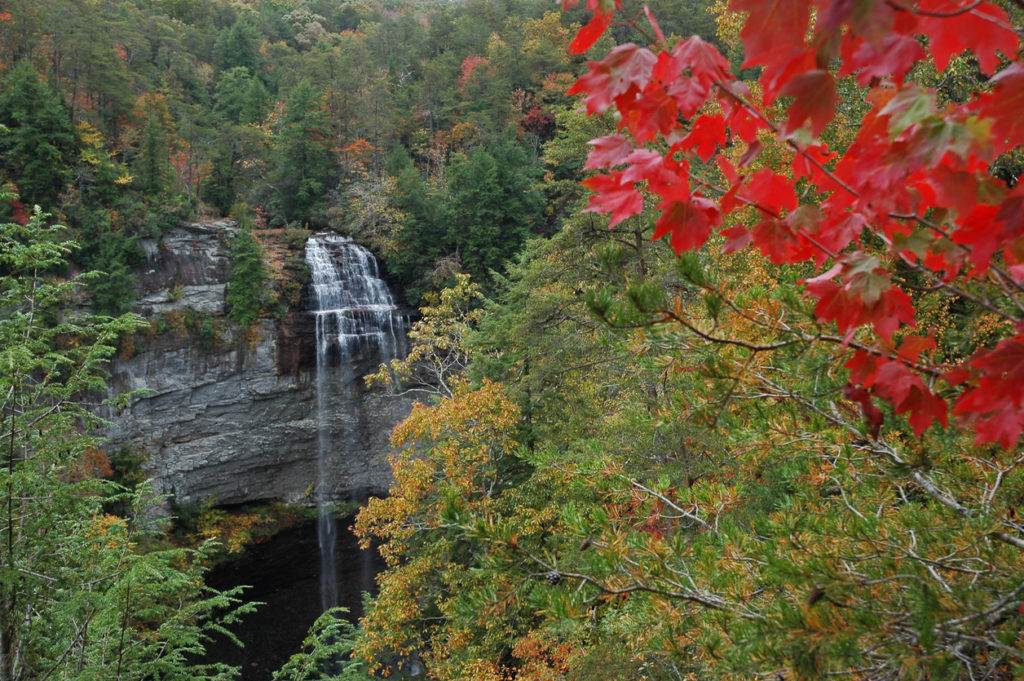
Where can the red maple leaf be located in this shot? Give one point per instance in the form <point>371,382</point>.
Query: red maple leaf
<point>658,171</point>
<point>806,222</point>
<point>893,381</point>
<point>1003,106</point>
<point>785,63</point>
<point>1011,217</point>
<point>814,100</point>
<point>839,227</point>
<point>595,28</point>
<point>707,133</point>
<point>894,56</point>
<point>954,187</point>
<point>901,387</point>
<point>913,160</point>
<point>912,346</point>
<point>809,161</point>
<point>976,231</point>
<point>865,297</point>
<point>626,66</point>
<point>983,28</point>
<point>737,239</point>
<point>871,20</point>
<point>614,196</point>
<point>610,150</point>
<point>647,113</point>
<point>771,191</point>
<point>925,408</point>
<point>774,238</point>
<point>654,24</point>
<point>872,414</point>
<point>689,94</point>
<point>728,170</point>
<point>993,419</point>
<point>689,222</point>
<point>705,63</point>
<point>788,20</point>
<point>863,367</point>
<point>1005,361</point>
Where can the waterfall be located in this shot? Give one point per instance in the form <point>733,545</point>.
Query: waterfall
<point>356,318</point>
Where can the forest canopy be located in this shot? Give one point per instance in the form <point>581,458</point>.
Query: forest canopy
<point>764,418</point>
<point>722,325</point>
<point>126,118</point>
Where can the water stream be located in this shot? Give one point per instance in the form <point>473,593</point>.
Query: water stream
<point>356,318</point>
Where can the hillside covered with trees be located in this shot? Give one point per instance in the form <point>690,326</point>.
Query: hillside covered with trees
<point>393,122</point>
<point>721,354</point>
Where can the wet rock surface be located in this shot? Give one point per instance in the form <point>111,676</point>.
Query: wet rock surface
<point>233,418</point>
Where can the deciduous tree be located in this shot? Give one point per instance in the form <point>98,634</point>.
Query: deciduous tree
<point>887,426</point>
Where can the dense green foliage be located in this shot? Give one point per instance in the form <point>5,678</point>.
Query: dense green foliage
<point>79,596</point>
<point>474,223</point>
<point>38,142</point>
<point>633,465</point>
<point>246,293</point>
<point>305,161</point>
<point>629,464</point>
<point>326,652</point>
<point>415,127</point>
<point>629,499</point>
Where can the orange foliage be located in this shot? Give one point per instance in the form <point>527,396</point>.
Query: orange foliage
<point>356,155</point>
<point>543,659</point>
<point>474,66</point>
<point>92,463</point>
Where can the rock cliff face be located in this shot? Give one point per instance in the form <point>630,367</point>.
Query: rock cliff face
<point>232,416</point>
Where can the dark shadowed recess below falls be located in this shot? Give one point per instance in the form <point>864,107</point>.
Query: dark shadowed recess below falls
<point>283,572</point>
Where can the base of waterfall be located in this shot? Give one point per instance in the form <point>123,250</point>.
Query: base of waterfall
<point>283,572</point>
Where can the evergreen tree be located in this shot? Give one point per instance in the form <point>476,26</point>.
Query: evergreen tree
<point>110,252</point>
<point>114,291</point>
<point>305,160</point>
<point>254,102</point>
<point>245,295</point>
<point>39,143</point>
<point>232,93</point>
<point>326,653</point>
<point>156,149</point>
<point>219,188</point>
<point>78,598</point>
<point>494,204</point>
<point>153,172</point>
<point>103,247</point>
<point>240,98</point>
<point>423,232</point>
<point>239,46</point>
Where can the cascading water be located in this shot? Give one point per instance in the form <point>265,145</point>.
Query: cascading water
<point>356,318</point>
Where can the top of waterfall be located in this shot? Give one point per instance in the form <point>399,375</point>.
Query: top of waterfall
<point>345,276</point>
<point>331,236</point>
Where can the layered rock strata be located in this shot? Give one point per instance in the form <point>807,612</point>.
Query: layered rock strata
<point>234,418</point>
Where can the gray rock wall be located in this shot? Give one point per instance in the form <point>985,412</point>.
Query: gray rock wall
<point>236,420</point>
